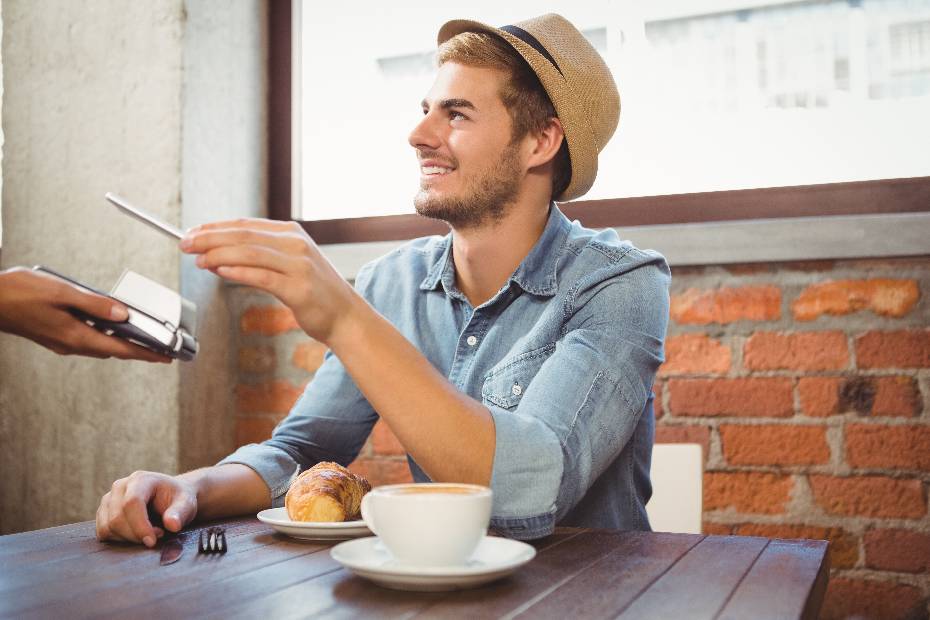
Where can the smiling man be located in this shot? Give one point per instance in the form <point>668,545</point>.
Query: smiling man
<point>518,351</point>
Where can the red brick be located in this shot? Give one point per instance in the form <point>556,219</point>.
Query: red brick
<point>267,397</point>
<point>727,305</point>
<point>695,354</point>
<point>382,471</point>
<point>747,492</point>
<point>820,396</point>
<point>905,348</point>
<point>866,598</point>
<point>384,441</point>
<point>716,529</point>
<point>898,447</point>
<point>267,320</point>
<point>903,551</point>
<point>869,496</point>
<point>256,359</point>
<point>844,546</point>
<point>750,397</point>
<point>253,429</point>
<point>896,396</point>
<point>309,355</point>
<point>894,298</point>
<point>798,351</point>
<point>657,401</point>
<point>774,445</point>
<point>680,433</point>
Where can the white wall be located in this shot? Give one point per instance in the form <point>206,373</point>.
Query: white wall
<point>162,101</point>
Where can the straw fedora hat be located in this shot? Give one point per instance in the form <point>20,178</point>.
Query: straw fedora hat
<point>576,78</point>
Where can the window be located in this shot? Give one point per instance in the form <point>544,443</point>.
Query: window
<point>717,94</point>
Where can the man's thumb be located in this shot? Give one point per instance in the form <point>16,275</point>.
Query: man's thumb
<point>180,512</point>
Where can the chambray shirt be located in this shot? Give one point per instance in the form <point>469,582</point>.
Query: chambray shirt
<point>563,356</point>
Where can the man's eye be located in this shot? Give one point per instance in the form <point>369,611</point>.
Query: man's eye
<point>454,115</point>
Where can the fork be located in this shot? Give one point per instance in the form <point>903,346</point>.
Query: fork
<point>212,540</point>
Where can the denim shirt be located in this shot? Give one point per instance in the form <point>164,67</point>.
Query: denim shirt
<point>563,357</point>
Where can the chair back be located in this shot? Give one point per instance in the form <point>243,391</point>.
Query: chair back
<point>677,472</point>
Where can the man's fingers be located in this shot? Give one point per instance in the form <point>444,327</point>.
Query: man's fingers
<point>84,340</point>
<point>253,276</point>
<point>246,222</point>
<point>139,490</point>
<point>246,256</point>
<point>283,240</point>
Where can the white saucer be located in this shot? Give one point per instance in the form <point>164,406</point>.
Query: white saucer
<point>312,530</point>
<point>494,558</point>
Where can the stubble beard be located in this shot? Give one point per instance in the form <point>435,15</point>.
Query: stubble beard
<point>485,199</point>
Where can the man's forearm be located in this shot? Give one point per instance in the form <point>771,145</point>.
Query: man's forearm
<point>228,490</point>
<point>450,435</point>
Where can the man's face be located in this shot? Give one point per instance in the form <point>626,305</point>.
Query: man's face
<point>470,171</point>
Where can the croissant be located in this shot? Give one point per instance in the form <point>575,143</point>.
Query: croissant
<point>326,492</point>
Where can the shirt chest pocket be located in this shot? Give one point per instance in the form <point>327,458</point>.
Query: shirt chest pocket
<point>506,384</point>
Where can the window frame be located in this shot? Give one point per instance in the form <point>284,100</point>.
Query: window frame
<point>871,197</point>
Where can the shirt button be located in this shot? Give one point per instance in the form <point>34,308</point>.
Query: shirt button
<point>516,390</point>
<point>472,341</point>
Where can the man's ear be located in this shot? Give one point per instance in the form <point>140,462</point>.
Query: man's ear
<point>545,143</point>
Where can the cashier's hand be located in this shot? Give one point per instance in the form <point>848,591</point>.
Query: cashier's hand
<point>123,512</point>
<point>35,306</point>
<point>280,258</point>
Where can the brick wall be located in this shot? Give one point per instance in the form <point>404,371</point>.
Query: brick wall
<point>807,384</point>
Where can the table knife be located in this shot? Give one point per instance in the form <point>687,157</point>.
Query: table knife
<point>171,549</point>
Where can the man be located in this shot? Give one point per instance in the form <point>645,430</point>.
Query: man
<point>517,352</point>
<point>36,306</point>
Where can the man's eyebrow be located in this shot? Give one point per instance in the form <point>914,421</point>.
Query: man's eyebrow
<point>450,103</point>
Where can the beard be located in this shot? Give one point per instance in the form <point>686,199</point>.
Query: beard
<point>485,197</point>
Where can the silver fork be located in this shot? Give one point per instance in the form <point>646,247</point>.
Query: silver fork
<point>212,540</point>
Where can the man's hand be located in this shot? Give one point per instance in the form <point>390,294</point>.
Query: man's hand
<point>280,258</point>
<point>123,512</point>
<point>35,306</point>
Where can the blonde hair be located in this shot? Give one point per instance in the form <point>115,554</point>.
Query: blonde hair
<point>523,95</point>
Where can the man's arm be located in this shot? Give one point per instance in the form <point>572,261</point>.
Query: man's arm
<point>35,306</point>
<point>450,435</point>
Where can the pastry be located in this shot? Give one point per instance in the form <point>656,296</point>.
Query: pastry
<point>326,492</point>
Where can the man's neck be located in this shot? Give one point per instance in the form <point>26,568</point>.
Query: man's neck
<point>487,255</point>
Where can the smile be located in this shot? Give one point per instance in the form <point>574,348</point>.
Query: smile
<point>435,170</point>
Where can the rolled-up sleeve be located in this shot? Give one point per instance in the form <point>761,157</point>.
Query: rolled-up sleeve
<point>565,411</point>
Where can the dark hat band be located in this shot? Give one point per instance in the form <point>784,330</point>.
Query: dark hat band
<point>530,40</point>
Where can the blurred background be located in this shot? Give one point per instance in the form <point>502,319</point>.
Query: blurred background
<point>776,153</point>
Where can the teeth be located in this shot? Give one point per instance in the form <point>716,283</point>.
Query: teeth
<point>435,170</point>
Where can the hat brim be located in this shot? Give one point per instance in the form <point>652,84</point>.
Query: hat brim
<point>575,126</point>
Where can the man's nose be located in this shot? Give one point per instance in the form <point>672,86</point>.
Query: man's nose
<point>425,134</point>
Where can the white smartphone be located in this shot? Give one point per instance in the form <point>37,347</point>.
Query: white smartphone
<point>143,217</point>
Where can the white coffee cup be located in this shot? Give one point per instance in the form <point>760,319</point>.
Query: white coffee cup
<point>429,524</point>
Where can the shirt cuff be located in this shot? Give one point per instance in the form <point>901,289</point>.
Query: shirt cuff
<point>527,474</point>
<point>273,465</point>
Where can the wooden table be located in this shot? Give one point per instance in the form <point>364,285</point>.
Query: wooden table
<point>64,572</point>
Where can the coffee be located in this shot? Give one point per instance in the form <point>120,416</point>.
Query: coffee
<point>434,489</point>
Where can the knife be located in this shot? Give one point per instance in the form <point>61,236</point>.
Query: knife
<point>172,545</point>
<point>172,548</point>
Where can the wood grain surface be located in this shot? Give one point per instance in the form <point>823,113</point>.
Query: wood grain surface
<point>65,572</point>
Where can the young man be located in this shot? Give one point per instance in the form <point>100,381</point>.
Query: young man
<point>516,352</point>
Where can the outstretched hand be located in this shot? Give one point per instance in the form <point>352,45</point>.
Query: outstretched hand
<point>280,258</point>
<point>36,306</point>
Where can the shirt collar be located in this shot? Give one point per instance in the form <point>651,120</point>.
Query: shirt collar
<point>536,273</point>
